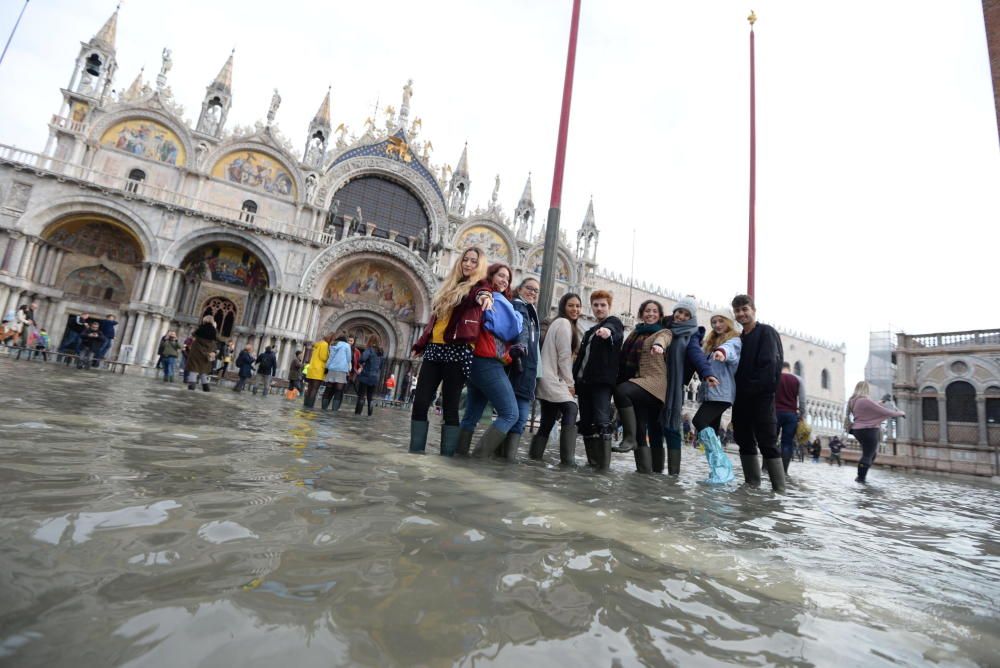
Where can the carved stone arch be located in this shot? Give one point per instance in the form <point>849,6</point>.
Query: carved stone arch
<point>381,316</point>
<point>563,253</point>
<point>38,219</point>
<point>315,276</point>
<point>162,117</point>
<point>180,249</point>
<point>340,173</point>
<point>258,144</point>
<point>468,229</point>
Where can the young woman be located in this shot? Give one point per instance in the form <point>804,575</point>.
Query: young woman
<point>338,365</point>
<point>555,388</point>
<point>316,370</point>
<point>199,366</point>
<point>642,382</point>
<point>488,381</point>
<point>722,352</point>
<point>523,371</point>
<point>371,369</point>
<point>867,417</point>
<point>684,358</point>
<point>456,317</point>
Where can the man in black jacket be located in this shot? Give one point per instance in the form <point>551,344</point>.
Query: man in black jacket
<point>594,372</point>
<point>755,424</point>
<point>267,362</point>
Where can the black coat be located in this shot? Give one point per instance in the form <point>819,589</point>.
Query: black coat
<point>523,376</point>
<point>244,362</point>
<point>760,361</point>
<point>597,360</point>
<point>266,363</point>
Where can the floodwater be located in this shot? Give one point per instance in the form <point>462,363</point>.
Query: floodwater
<point>146,525</point>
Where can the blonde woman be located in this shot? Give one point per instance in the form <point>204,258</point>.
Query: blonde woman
<point>445,344</point>
<point>866,418</point>
<point>722,349</point>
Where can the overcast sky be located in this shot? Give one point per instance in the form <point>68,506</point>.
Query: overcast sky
<point>878,157</point>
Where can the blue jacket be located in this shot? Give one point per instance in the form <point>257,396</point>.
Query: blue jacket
<point>244,362</point>
<point>724,371</point>
<point>696,362</point>
<point>371,360</point>
<point>524,380</point>
<point>340,357</point>
<point>502,320</point>
<point>108,329</point>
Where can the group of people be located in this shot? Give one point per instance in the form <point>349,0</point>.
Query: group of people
<point>335,364</point>
<point>87,339</point>
<point>485,335</point>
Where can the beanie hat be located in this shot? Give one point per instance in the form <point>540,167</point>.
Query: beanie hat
<point>688,304</point>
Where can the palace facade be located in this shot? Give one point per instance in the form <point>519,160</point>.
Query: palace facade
<point>132,212</point>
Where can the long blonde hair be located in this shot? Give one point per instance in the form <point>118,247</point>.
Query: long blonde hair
<point>862,389</point>
<point>713,340</point>
<point>456,286</point>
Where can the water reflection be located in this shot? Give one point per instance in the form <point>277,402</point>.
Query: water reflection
<point>146,525</point>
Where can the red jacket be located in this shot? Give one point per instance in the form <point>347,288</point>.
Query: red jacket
<point>464,324</point>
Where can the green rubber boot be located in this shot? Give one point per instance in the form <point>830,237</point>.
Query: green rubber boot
<point>776,472</point>
<point>489,442</point>
<point>537,447</point>
<point>449,439</point>
<point>751,470</point>
<point>464,442</point>
<point>418,435</point>
<point>567,446</point>
<point>628,444</point>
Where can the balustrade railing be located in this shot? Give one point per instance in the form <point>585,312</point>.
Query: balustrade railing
<point>981,337</point>
<point>68,124</point>
<point>141,189</point>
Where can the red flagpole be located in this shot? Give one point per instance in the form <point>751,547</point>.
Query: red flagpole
<point>752,247</point>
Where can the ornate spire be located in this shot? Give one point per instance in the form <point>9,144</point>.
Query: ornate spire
<point>322,116</point>
<point>526,200</point>
<point>224,80</point>
<point>106,35</point>
<point>136,88</point>
<point>589,223</point>
<point>463,163</point>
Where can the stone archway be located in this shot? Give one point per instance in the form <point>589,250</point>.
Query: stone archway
<point>359,318</point>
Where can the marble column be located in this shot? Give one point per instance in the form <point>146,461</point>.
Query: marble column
<point>297,316</point>
<point>175,289</point>
<point>981,412</point>
<point>14,252</point>
<point>152,339</point>
<point>272,303</point>
<point>4,296</point>
<point>38,267</point>
<point>147,292</point>
<point>942,419</point>
<point>170,276</point>
<point>140,282</point>
<point>49,277</point>
<point>26,256</point>
<point>136,340</point>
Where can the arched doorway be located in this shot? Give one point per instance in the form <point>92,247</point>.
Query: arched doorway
<point>227,281</point>
<point>394,211</point>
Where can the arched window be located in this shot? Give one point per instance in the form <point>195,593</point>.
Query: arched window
<point>387,205</point>
<point>135,177</point>
<point>223,312</point>
<point>249,211</point>
<point>929,404</point>
<point>824,379</point>
<point>993,406</point>
<point>960,402</point>
<point>798,369</point>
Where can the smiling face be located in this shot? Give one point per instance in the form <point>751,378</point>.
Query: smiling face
<point>719,324</point>
<point>501,280</point>
<point>745,315</point>
<point>651,313</point>
<point>601,308</point>
<point>574,307</point>
<point>682,315</point>
<point>470,261</point>
<point>529,291</point>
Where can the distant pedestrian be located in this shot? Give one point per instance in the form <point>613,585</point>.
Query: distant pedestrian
<point>866,425</point>
<point>198,365</point>
<point>338,366</point>
<point>244,364</point>
<point>42,344</point>
<point>73,336</point>
<point>267,363</point>
<point>790,409</point>
<point>91,343</point>
<point>390,386</point>
<point>371,369</point>
<point>228,355</point>
<point>170,350</point>
<point>108,330</point>
<point>295,372</point>
<point>835,447</point>
<point>816,450</point>
<point>316,370</point>
<point>26,319</point>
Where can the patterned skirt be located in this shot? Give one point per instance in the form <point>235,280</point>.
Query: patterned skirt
<point>459,353</point>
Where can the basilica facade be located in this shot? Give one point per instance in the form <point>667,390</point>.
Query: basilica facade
<point>132,212</point>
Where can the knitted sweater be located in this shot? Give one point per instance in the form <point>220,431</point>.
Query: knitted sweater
<point>557,363</point>
<point>869,414</point>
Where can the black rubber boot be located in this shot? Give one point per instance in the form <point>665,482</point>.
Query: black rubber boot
<point>190,386</point>
<point>489,442</point>
<point>325,402</point>
<point>628,444</point>
<point>567,446</point>
<point>337,400</point>
<point>603,451</point>
<point>358,407</point>
<point>510,447</point>
<point>862,474</point>
<point>370,409</point>
<point>590,445</point>
<point>751,470</point>
<point>418,435</point>
<point>785,461</point>
<point>776,473</point>
<point>643,459</point>
<point>204,387</point>
<point>659,456</point>
<point>673,461</point>
<point>449,439</point>
<point>537,447</point>
<point>464,442</point>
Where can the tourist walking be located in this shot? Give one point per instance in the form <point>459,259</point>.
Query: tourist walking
<point>556,388</point>
<point>523,370</point>
<point>198,365</point>
<point>90,345</point>
<point>866,417</point>
<point>368,377</point>
<point>316,370</point>
<point>456,318</point>
<point>108,330</point>
<point>338,366</point>
<point>42,344</point>
<point>816,450</point>
<point>722,348</point>
<point>26,320</point>
<point>754,423</point>
<point>790,409</point>
<point>487,381</point>
<point>244,367</point>
<point>72,338</point>
<point>835,447</point>
<point>594,373</point>
<point>642,384</point>
<point>684,358</point>
<point>228,355</point>
<point>390,385</point>
<point>295,372</point>
<point>267,364</point>
<point>169,350</point>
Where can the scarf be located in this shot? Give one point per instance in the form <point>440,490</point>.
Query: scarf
<point>632,350</point>
<point>676,355</point>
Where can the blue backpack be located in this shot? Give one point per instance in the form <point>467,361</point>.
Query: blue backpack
<point>502,320</point>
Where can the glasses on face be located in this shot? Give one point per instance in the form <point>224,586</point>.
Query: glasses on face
<point>530,290</point>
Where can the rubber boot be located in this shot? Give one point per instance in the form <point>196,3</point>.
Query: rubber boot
<point>751,470</point>
<point>190,386</point>
<point>510,447</point>
<point>673,461</point>
<point>603,451</point>
<point>659,455</point>
<point>449,439</point>
<point>418,435</point>
<point>537,447</point>
<point>628,444</point>
<point>590,445</point>
<point>862,474</point>
<point>357,408</point>
<point>776,473</point>
<point>464,442</point>
<point>643,459</point>
<point>337,400</point>
<point>785,461</point>
<point>370,409</point>
<point>489,442</point>
<point>325,402</point>
<point>204,387</point>
<point>567,446</point>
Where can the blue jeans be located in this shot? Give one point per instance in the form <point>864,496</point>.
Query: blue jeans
<point>169,364</point>
<point>488,383</point>
<point>105,347</point>
<point>788,423</point>
<point>523,413</point>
